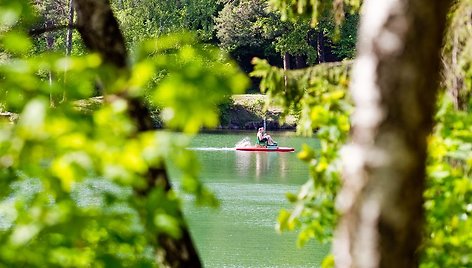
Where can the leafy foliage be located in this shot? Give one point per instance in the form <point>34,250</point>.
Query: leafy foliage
<point>69,180</point>
<point>52,13</point>
<point>295,41</point>
<point>320,93</point>
<point>248,25</point>
<point>313,9</point>
<point>345,38</point>
<point>146,19</point>
<point>449,193</point>
<point>237,24</point>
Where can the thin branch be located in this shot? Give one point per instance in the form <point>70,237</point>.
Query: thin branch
<point>53,28</point>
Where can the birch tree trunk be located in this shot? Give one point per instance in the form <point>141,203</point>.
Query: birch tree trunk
<point>69,29</point>
<point>395,81</point>
<point>286,59</point>
<point>100,32</point>
<point>456,52</point>
<point>50,41</point>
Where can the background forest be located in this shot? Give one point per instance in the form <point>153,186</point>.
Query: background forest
<point>244,29</point>
<point>54,54</point>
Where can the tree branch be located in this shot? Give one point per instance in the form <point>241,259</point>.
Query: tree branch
<point>53,28</point>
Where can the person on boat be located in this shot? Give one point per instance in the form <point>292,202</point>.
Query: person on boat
<point>264,138</point>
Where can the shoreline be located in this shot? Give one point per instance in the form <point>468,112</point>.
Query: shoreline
<point>246,112</point>
<point>243,112</point>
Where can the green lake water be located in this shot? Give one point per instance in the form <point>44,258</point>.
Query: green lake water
<point>251,187</point>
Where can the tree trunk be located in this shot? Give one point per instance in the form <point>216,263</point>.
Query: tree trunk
<point>286,59</point>
<point>457,79</point>
<point>69,29</point>
<point>300,62</point>
<point>395,81</point>
<point>50,40</point>
<point>456,53</point>
<point>320,47</point>
<point>100,32</point>
<point>69,32</point>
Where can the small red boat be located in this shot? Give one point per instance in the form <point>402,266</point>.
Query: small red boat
<point>265,149</point>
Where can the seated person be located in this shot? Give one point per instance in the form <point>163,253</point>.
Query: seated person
<point>265,138</point>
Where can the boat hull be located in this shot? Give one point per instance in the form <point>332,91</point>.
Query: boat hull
<point>264,149</point>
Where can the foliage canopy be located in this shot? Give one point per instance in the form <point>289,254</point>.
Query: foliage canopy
<point>70,180</point>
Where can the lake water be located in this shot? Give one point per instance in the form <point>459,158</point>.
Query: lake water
<point>251,187</point>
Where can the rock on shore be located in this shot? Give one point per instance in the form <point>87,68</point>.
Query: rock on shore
<point>247,112</point>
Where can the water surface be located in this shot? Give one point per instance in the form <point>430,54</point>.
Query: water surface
<point>251,187</point>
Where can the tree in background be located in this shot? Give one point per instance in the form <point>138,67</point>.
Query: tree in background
<point>53,29</point>
<point>241,33</point>
<point>248,29</point>
<point>344,36</point>
<point>457,56</point>
<point>145,19</point>
<point>330,20</point>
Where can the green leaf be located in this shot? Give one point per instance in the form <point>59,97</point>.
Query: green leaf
<point>16,42</point>
<point>168,224</point>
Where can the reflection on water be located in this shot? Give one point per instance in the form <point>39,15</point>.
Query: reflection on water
<point>251,187</point>
<point>262,164</point>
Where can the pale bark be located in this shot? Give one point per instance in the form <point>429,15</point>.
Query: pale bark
<point>50,40</point>
<point>457,79</point>
<point>100,32</point>
<point>70,28</point>
<point>456,53</point>
<point>286,59</point>
<point>395,81</point>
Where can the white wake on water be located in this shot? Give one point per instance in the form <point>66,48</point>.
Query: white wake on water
<point>246,142</point>
<point>211,149</point>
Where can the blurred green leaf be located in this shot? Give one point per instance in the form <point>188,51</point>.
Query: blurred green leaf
<point>16,42</point>
<point>168,224</point>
